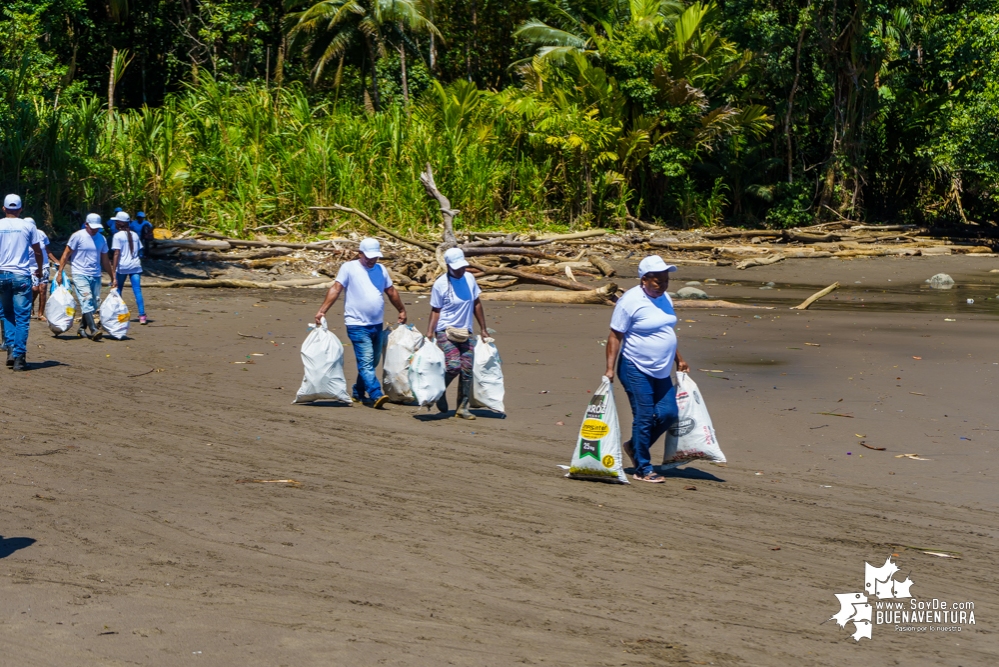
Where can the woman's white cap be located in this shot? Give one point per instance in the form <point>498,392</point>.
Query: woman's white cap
<point>94,221</point>
<point>455,258</point>
<point>12,203</point>
<point>121,216</point>
<point>654,264</point>
<point>370,248</point>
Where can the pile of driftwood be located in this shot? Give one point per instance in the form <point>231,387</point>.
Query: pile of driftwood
<point>577,265</point>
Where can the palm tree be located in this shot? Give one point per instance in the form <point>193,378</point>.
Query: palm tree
<point>331,28</point>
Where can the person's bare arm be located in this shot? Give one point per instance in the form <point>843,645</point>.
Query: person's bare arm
<point>35,248</point>
<point>331,296</point>
<point>681,365</point>
<point>613,347</point>
<point>107,267</point>
<point>480,317</point>
<point>435,316</point>
<point>393,296</point>
<point>66,254</point>
<point>115,258</point>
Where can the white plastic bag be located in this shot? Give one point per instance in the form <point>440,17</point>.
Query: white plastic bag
<point>60,308</point>
<point>115,315</point>
<point>692,437</point>
<point>598,448</point>
<point>426,373</point>
<point>322,356</point>
<point>487,376</point>
<point>402,344</point>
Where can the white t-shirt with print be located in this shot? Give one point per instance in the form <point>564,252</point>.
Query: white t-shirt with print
<point>87,249</point>
<point>16,253</point>
<point>456,299</point>
<point>648,328</point>
<point>363,289</point>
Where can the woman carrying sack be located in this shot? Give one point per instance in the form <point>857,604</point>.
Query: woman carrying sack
<point>125,248</point>
<point>641,329</point>
<point>454,301</point>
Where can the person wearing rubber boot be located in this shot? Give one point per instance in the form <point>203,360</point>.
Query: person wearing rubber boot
<point>19,241</point>
<point>454,302</point>
<point>363,282</point>
<point>88,251</point>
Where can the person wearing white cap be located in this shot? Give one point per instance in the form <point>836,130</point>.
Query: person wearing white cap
<point>125,251</point>
<point>364,281</point>
<point>89,253</point>
<point>18,242</point>
<point>641,329</point>
<point>454,301</point>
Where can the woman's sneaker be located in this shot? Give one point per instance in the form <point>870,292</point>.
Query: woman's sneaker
<point>142,319</point>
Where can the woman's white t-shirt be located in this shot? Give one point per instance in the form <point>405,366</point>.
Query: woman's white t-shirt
<point>456,299</point>
<point>128,262</point>
<point>647,325</point>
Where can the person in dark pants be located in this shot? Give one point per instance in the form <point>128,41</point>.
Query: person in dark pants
<point>19,244</point>
<point>642,330</point>
<point>364,281</point>
<point>454,301</point>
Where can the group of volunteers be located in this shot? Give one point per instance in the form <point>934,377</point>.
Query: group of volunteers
<point>25,261</point>
<point>641,348</point>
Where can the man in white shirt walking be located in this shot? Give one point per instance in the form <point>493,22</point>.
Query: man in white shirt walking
<point>18,245</point>
<point>89,252</point>
<point>365,281</point>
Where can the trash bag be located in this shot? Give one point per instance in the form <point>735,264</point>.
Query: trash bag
<point>402,344</point>
<point>692,437</point>
<point>426,373</point>
<point>598,448</point>
<point>61,306</point>
<point>115,315</point>
<point>322,356</point>
<point>487,376</point>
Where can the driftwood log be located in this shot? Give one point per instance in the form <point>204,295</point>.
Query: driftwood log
<point>815,297</point>
<point>226,282</point>
<point>602,295</point>
<point>529,277</point>
<point>370,221</point>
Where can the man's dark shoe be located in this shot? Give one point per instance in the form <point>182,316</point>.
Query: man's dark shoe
<point>10,358</point>
<point>20,364</point>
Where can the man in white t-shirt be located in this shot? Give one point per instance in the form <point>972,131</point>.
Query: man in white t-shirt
<point>89,253</point>
<point>454,303</point>
<point>18,243</point>
<point>364,281</point>
<point>642,329</point>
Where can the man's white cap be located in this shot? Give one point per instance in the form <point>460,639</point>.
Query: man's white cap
<point>121,216</point>
<point>455,258</point>
<point>94,221</point>
<point>654,264</point>
<point>12,203</point>
<point>371,248</point>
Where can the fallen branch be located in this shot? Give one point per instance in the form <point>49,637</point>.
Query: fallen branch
<point>749,233</point>
<point>715,303</point>
<point>528,252</point>
<point>815,297</point>
<point>370,221</point>
<point>601,264</point>
<point>193,244</point>
<point>529,277</point>
<point>427,178</point>
<point>249,336</point>
<point>602,295</point>
<point>760,261</point>
<point>574,236</point>
<point>228,282</point>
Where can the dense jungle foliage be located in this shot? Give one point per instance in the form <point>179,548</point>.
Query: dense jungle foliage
<point>239,114</point>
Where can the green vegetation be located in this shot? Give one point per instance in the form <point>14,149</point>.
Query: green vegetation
<point>237,115</point>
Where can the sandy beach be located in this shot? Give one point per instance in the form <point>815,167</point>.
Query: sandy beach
<point>410,540</point>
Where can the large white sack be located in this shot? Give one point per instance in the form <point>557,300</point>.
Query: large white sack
<point>598,448</point>
<point>692,437</point>
<point>402,344</point>
<point>487,376</point>
<point>115,315</point>
<point>426,373</point>
<point>60,308</point>
<point>322,356</point>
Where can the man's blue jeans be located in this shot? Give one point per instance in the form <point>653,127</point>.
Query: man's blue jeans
<point>368,351</point>
<point>653,409</point>
<point>15,307</point>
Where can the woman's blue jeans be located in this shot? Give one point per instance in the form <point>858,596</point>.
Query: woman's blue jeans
<point>653,409</point>
<point>134,280</point>
<point>367,344</point>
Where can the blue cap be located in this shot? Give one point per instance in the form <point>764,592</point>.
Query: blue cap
<point>140,214</point>
<point>118,209</point>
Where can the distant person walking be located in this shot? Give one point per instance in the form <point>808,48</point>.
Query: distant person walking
<point>141,226</point>
<point>18,242</point>
<point>642,330</point>
<point>365,281</point>
<point>454,302</point>
<point>125,262</point>
<point>89,254</point>
<point>40,282</point>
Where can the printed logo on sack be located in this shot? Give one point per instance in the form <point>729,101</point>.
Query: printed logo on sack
<point>896,606</point>
<point>597,406</point>
<point>594,429</point>
<point>681,399</point>
<point>682,427</point>
<point>589,448</point>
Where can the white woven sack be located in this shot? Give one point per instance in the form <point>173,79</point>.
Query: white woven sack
<point>60,309</point>
<point>487,376</point>
<point>426,373</point>
<point>322,356</point>
<point>402,344</point>
<point>115,315</point>
<point>692,437</point>
<point>598,448</point>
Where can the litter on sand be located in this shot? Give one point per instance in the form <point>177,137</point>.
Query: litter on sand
<point>914,457</point>
<point>833,414</point>
<point>931,551</point>
<point>289,482</point>
<point>877,449</point>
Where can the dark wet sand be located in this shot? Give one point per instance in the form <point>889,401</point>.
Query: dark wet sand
<point>416,542</point>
